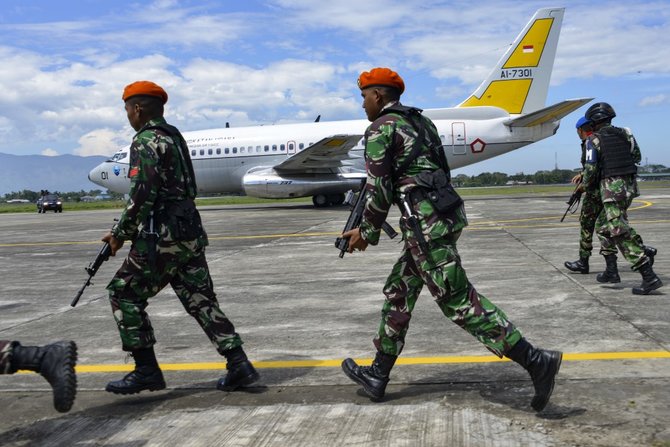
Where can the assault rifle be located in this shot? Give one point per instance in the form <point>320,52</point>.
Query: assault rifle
<point>357,207</point>
<point>573,201</point>
<point>92,269</point>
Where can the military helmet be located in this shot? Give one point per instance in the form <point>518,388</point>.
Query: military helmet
<point>599,112</point>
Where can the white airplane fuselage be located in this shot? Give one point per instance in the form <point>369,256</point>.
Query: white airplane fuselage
<point>239,160</point>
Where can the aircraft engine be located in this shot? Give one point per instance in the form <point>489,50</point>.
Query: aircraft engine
<point>324,188</point>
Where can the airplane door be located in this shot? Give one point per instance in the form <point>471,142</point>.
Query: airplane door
<point>458,138</point>
<point>290,147</point>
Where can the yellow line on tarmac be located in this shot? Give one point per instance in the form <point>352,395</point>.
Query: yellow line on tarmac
<point>331,363</point>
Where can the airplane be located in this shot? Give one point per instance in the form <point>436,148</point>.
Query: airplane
<point>325,159</point>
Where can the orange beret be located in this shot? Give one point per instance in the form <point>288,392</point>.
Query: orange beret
<point>146,88</point>
<point>381,76</point>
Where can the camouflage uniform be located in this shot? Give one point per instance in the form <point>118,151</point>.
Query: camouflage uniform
<point>617,194</point>
<point>389,141</point>
<point>592,206</point>
<point>162,186</point>
<point>5,357</point>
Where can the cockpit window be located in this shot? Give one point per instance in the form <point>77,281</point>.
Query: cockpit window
<point>118,156</point>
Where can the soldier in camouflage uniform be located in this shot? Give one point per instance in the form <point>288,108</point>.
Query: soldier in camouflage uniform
<point>55,362</point>
<point>403,152</point>
<point>591,208</point>
<point>168,247</point>
<point>610,165</point>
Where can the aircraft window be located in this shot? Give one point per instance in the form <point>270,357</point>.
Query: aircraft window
<point>193,153</point>
<point>443,138</point>
<point>267,148</point>
<point>242,150</point>
<point>282,147</point>
<point>258,148</point>
<point>218,151</point>
<point>274,147</point>
<point>250,148</point>
<point>202,152</point>
<point>118,156</point>
<point>227,150</point>
<point>209,151</point>
<point>234,150</point>
<point>301,146</point>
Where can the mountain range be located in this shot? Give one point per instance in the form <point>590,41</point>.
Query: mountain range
<point>62,173</point>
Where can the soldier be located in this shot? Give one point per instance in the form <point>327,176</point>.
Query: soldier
<point>168,247</point>
<point>407,166</point>
<point>610,165</point>
<point>55,362</point>
<point>591,207</point>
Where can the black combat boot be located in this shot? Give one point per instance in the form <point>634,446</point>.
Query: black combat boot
<point>649,281</point>
<point>650,252</point>
<point>611,273</point>
<point>373,378</point>
<point>543,365</point>
<point>146,375</point>
<point>581,265</point>
<point>240,371</point>
<point>55,362</point>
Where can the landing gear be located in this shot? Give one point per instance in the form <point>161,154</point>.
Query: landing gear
<point>324,200</point>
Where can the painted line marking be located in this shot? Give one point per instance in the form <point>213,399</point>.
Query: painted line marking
<point>333,363</point>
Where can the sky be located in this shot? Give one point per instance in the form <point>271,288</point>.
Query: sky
<point>262,62</point>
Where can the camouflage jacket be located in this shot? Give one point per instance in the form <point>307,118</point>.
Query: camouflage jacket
<point>388,142</point>
<point>612,189</point>
<point>158,176</point>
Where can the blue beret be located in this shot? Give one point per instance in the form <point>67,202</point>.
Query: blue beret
<point>582,121</point>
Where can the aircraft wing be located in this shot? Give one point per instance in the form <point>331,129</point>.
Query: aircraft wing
<point>552,113</point>
<point>325,156</point>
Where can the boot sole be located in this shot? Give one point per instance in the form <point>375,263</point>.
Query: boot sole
<point>376,397</point>
<point>609,281</point>
<point>63,401</point>
<point>657,285</point>
<point>246,381</point>
<point>541,404</point>
<point>156,387</point>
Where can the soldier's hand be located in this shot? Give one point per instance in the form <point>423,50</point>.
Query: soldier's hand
<point>114,243</point>
<point>356,242</point>
<point>577,178</point>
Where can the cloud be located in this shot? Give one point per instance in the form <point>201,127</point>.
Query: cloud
<point>49,152</point>
<point>102,142</point>
<point>653,100</point>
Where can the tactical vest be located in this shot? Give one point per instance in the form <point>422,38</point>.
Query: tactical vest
<point>413,115</point>
<point>615,153</point>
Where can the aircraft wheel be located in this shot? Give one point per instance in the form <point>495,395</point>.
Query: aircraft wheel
<point>320,200</point>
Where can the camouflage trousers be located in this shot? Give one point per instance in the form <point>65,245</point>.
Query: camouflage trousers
<point>184,267</point>
<point>592,205</point>
<point>6,348</point>
<point>447,282</point>
<point>616,233</point>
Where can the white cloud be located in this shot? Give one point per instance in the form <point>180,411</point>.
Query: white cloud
<point>653,100</point>
<point>102,142</point>
<point>49,152</point>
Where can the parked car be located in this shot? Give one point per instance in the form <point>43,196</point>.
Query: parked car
<point>49,202</point>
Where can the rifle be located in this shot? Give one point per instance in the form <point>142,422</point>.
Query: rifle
<point>356,216</point>
<point>92,269</point>
<point>573,201</point>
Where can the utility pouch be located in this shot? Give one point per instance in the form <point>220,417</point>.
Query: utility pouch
<point>437,188</point>
<point>184,222</point>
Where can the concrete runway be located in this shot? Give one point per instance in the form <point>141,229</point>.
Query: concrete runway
<point>300,310</point>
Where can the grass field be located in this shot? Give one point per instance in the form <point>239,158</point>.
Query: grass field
<point>242,200</point>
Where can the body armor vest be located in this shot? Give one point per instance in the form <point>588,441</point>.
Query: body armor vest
<point>615,153</point>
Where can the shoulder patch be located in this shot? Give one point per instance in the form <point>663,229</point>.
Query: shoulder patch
<point>591,153</point>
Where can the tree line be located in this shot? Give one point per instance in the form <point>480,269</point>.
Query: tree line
<point>74,196</point>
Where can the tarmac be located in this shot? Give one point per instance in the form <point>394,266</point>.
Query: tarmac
<point>300,310</point>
